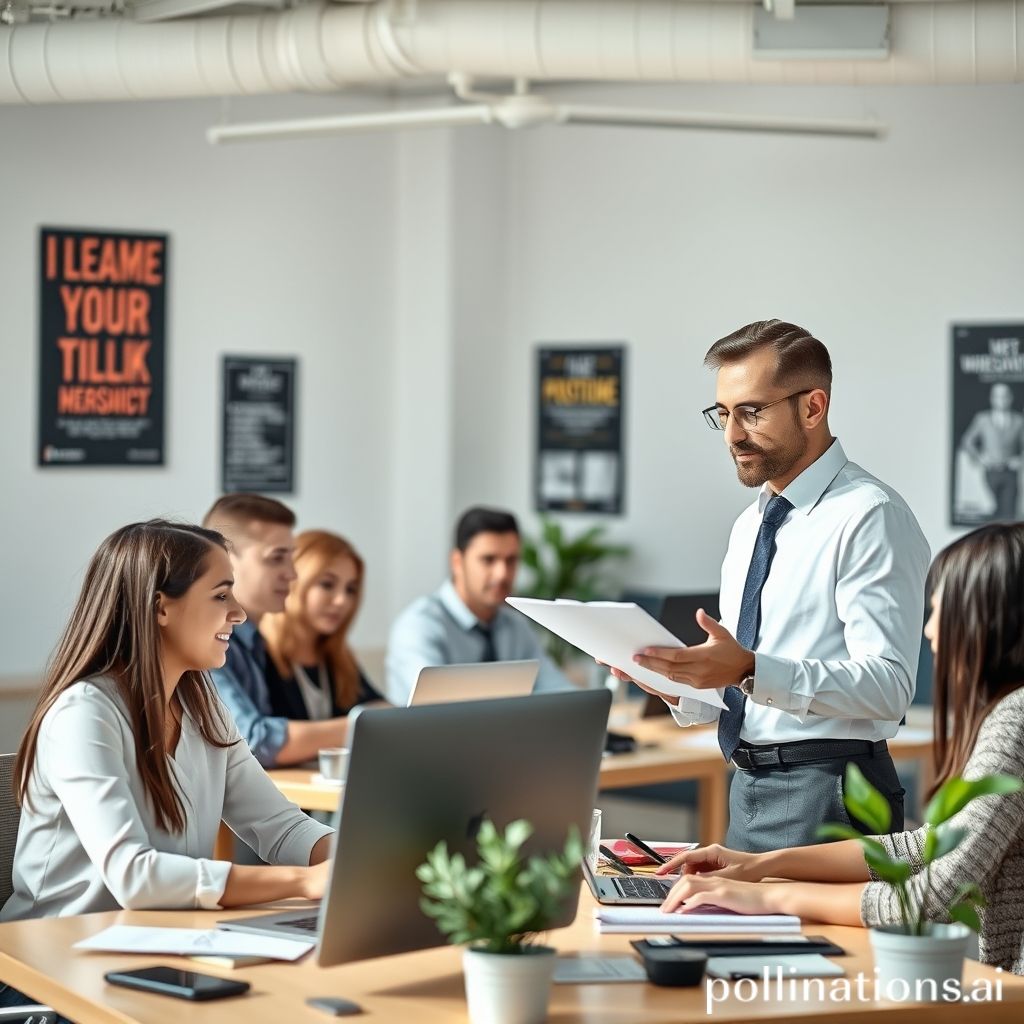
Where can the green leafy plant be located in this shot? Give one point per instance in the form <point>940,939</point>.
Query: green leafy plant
<point>501,903</point>
<point>568,567</point>
<point>866,804</point>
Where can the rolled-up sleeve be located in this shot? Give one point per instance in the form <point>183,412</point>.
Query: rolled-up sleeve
<point>84,756</point>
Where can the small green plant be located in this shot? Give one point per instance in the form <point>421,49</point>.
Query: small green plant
<point>503,902</point>
<point>570,568</point>
<point>866,804</point>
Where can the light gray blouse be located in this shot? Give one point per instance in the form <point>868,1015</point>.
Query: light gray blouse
<point>88,840</point>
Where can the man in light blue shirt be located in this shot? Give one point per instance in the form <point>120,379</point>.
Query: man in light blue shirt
<point>466,619</point>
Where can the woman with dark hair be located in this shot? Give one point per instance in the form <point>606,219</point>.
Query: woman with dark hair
<point>130,761</point>
<point>312,672</point>
<point>976,630</point>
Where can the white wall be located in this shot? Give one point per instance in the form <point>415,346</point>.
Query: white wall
<point>279,249</point>
<point>413,275</point>
<point>669,240</point>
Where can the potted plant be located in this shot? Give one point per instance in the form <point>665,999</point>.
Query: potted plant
<point>923,952</point>
<point>497,908</point>
<point>569,568</point>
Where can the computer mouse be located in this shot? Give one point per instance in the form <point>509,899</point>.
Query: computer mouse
<point>334,1006</point>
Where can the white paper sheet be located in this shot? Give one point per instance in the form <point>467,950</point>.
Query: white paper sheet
<point>588,970</point>
<point>651,921</point>
<point>613,632</point>
<point>193,941</point>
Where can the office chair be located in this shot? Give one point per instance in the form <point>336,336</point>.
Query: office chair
<point>10,815</point>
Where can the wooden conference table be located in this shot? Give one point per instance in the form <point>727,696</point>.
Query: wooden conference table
<point>36,957</point>
<point>666,753</point>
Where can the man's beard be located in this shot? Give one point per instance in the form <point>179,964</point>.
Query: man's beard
<point>770,465</point>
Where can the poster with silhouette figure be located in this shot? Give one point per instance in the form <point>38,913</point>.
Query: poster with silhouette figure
<point>102,301</point>
<point>579,461</point>
<point>987,455</point>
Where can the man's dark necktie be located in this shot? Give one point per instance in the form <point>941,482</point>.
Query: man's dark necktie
<point>487,632</point>
<point>731,719</point>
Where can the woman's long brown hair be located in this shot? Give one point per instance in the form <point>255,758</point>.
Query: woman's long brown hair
<point>113,632</point>
<point>979,580</point>
<point>314,551</point>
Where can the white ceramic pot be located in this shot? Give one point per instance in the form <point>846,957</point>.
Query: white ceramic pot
<point>920,968</point>
<point>508,988</point>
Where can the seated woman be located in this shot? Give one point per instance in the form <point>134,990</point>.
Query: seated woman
<point>130,761</point>
<point>976,629</point>
<point>312,672</point>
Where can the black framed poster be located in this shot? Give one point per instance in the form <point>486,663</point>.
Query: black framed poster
<point>987,448</point>
<point>102,313</point>
<point>579,459</point>
<point>258,425</point>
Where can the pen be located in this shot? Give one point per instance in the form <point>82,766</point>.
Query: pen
<point>624,869</point>
<point>645,849</point>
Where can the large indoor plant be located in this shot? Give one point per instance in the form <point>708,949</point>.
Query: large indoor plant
<point>497,908</point>
<point>568,567</point>
<point>923,950</point>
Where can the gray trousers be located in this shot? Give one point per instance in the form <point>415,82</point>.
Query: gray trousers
<point>773,808</point>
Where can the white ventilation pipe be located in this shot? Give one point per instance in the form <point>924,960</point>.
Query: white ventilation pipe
<point>322,47</point>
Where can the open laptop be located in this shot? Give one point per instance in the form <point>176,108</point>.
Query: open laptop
<point>422,774</point>
<point>442,684</point>
<point>626,890</point>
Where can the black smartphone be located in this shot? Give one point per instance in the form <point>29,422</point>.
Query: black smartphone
<point>645,849</point>
<point>169,981</point>
<point>623,869</point>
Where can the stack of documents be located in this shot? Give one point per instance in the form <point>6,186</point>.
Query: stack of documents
<point>613,632</point>
<point>651,921</point>
<point>194,942</point>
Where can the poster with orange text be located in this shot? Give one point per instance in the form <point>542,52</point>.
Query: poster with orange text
<point>102,312</point>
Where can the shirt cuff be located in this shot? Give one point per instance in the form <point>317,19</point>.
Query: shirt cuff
<point>690,711</point>
<point>774,685</point>
<point>298,844</point>
<point>211,882</point>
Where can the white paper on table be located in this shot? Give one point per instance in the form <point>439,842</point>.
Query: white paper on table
<point>588,969</point>
<point>193,942</point>
<point>653,921</point>
<point>613,632</point>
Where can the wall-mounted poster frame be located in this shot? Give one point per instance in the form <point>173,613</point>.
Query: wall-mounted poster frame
<point>579,463</point>
<point>102,315</point>
<point>987,444</point>
<point>258,425</point>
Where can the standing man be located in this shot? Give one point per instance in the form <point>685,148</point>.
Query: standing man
<point>466,619</point>
<point>261,545</point>
<point>995,441</point>
<point>822,601</point>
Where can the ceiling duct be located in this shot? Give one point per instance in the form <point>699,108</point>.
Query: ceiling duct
<point>324,47</point>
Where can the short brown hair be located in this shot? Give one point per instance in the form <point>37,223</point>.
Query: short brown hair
<point>800,358</point>
<point>238,510</point>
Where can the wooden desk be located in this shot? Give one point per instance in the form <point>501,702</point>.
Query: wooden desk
<point>667,753</point>
<point>426,987</point>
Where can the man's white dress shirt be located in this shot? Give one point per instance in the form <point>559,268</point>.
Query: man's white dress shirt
<point>841,611</point>
<point>88,840</point>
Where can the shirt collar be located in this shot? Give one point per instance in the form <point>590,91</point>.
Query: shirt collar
<point>246,633</point>
<point>806,490</point>
<point>455,607</point>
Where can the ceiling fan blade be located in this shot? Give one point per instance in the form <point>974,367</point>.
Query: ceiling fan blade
<point>313,127</point>
<point>636,117</point>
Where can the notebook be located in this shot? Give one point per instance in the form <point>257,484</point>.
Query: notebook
<point>708,920</point>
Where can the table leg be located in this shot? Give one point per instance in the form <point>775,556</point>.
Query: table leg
<point>711,807</point>
<point>224,846</point>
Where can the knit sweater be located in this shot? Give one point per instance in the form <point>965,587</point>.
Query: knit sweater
<point>991,853</point>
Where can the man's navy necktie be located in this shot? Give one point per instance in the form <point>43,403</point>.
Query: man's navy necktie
<point>487,632</point>
<point>731,719</point>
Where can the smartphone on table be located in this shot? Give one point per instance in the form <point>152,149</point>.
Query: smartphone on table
<point>169,981</point>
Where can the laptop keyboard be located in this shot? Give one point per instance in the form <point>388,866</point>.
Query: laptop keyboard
<point>306,924</point>
<point>638,887</point>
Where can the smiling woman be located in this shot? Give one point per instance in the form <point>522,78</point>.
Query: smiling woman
<point>130,761</point>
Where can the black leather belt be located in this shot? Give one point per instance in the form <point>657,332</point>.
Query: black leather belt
<point>751,758</point>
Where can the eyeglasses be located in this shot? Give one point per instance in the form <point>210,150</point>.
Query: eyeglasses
<point>717,417</point>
